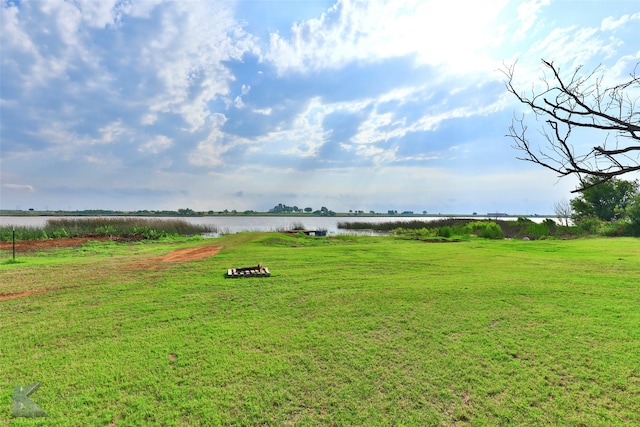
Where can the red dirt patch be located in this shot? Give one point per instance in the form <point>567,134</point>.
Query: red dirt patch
<point>22,294</point>
<point>179,255</point>
<point>62,242</point>
<point>189,254</point>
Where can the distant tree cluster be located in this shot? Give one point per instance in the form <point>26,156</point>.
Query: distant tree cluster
<point>282,208</point>
<point>324,212</point>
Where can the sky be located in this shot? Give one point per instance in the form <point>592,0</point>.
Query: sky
<point>370,105</point>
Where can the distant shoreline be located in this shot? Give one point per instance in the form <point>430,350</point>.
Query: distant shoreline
<point>168,214</point>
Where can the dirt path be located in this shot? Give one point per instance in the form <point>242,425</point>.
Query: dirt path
<point>23,294</point>
<point>179,255</point>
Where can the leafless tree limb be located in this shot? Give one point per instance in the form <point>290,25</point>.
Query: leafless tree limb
<point>580,101</point>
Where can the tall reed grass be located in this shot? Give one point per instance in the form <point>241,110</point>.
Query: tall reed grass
<point>448,227</point>
<point>394,225</point>
<point>141,228</point>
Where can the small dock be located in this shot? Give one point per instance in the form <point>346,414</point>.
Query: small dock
<point>257,271</point>
<point>308,232</point>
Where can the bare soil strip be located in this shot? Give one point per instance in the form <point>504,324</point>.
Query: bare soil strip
<point>23,294</point>
<point>62,242</point>
<point>179,255</point>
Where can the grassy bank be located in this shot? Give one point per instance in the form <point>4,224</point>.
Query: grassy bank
<point>463,228</point>
<point>346,331</point>
<point>128,228</point>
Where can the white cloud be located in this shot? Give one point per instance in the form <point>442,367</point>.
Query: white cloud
<point>237,102</point>
<point>186,55</point>
<point>610,23</point>
<point>622,69</point>
<point>573,46</point>
<point>19,187</point>
<point>101,13</point>
<point>305,135</point>
<point>210,151</point>
<point>264,111</point>
<point>183,52</point>
<point>14,35</point>
<point>156,145</point>
<point>528,14</point>
<point>32,67</point>
<point>139,9</point>
<point>385,126</point>
<point>372,30</point>
<point>62,24</point>
<point>64,19</point>
<point>113,132</point>
<point>95,160</point>
<point>105,85</point>
<point>148,119</point>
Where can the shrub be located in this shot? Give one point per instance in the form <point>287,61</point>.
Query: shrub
<point>616,228</point>
<point>588,225</point>
<point>486,229</point>
<point>56,234</point>
<point>633,213</point>
<point>523,221</point>
<point>105,230</point>
<point>445,231</point>
<point>535,231</point>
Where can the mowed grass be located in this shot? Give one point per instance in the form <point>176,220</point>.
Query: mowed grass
<point>346,331</point>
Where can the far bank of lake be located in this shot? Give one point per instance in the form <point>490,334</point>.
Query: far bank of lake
<point>236,224</point>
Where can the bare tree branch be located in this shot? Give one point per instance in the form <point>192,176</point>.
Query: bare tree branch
<point>580,101</point>
<point>563,210</point>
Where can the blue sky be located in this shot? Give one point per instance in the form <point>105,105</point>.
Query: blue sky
<point>352,105</point>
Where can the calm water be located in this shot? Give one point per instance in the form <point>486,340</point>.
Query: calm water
<point>236,224</point>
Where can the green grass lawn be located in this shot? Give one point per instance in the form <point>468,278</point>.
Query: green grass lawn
<point>346,331</point>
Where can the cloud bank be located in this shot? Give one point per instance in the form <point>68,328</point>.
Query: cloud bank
<point>363,105</point>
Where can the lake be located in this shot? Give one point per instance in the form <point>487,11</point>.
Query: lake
<point>236,224</point>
